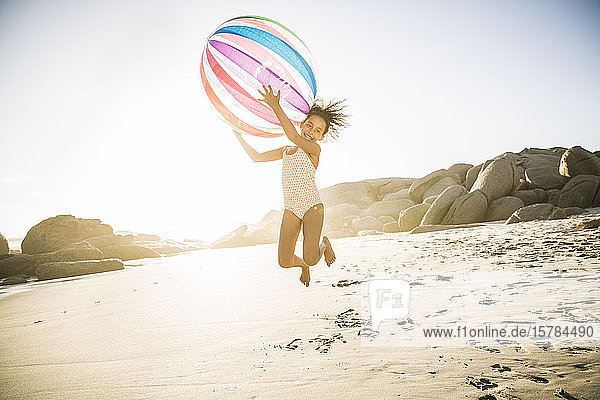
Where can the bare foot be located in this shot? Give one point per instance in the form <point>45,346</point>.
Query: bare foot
<point>305,276</point>
<point>329,254</point>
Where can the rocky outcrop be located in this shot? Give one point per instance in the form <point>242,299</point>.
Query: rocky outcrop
<point>391,208</point>
<point>366,223</point>
<point>502,208</point>
<point>471,177</point>
<point>391,227</point>
<point>440,186</point>
<point>578,161</point>
<point>399,195</point>
<point>412,216</point>
<point>3,244</point>
<point>53,270</point>
<point>461,170</point>
<point>436,228</point>
<point>57,232</point>
<point>419,186</point>
<point>530,213</point>
<point>467,209</point>
<point>531,196</point>
<point>581,191</point>
<point>498,179</point>
<point>439,208</point>
<point>350,192</point>
<point>545,178</point>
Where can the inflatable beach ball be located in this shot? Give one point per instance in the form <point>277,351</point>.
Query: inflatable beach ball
<point>244,54</point>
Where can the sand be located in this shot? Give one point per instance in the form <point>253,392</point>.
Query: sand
<point>230,323</point>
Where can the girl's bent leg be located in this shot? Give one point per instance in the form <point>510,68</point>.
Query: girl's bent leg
<point>288,236</point>
<point>313,249</point>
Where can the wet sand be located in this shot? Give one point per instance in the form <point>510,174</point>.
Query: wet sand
<point>230,323</point>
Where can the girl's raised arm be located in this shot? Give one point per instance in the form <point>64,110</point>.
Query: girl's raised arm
<point>271,155</point>
<point>272,100</point>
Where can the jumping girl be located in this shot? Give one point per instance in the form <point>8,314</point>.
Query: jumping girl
<point>303,208</point>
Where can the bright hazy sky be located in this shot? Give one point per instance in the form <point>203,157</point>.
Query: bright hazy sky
<point>103,114</point>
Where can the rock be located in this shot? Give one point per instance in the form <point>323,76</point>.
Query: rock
<point>542,195</point>
<point>503,208</point>
<point>553,196</point>
<point>440,186</point>
<point>391,208</point>
<point>109,240</point>
<point>573,211</point>
<point>16,264</point>
<point>369,232</point>
<point>498,179</point>
<point>270,218</point>
<point>366,223</point>
<point>438,210</point>
<point>379,188</point>
<point>435,228</point>
<point>342,233</point>
<point>144,237</point>
<point>419,186</point>
<point>234,238</point>
<point>55,270</point>
<point>467,209</point>
<point>258,234</point>
<point>558,213</point>
<point>15,279</point>
<point>531,196</point>
<point>127,252</point>
<point>429,200</point>
<point>471,177</point>
<point>386,219</point>
<point>349,192</point>
<point>341,210</point>
<point>400,194</point>
<point>589,224</point>
<point>544,178</point>
<point>72,252</point>
<point>578,161</point>
<point>581,191</point>
<point>533,212</point>
<point>55,233</point>
<point>391,227</point>
<point>3,244</point>
<point>412,216</point>
<point>461,170</point>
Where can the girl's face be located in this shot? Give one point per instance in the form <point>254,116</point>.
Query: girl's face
<point>313,128</point>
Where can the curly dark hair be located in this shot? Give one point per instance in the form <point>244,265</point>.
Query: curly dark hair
<point>333,113</point>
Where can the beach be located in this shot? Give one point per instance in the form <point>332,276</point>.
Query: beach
<point>230,323</point>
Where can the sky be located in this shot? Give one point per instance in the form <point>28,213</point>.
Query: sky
<point>102,112</point>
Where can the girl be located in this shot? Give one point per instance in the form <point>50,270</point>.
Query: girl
<point>303,207</point>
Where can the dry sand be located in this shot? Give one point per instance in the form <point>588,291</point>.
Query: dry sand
<point>230,323</point>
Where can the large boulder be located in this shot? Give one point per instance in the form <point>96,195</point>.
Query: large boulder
<point>581,191</point>
<point>400,194</point>
<point>461,170</point>
<point>16,264</point>
<point>439,208</point>
<point>366,223</point>
<point>412,216</point>
<point>471,176</point>
<point>498,179</point>
<point>467,209</point>
<point>109,240</point>
<point>347,192</point>
<point>530,213</point>
<point>381,187</point>
<point>55,233</point>
<point>429,200</point>
<point>545,178</point>
<point>440,186</point>
<point>503,208</point>
<point>391,227</point>
<point>391,208</point>
<point>531,196</point>
<point>578,161</point>
<point>341,210</point>
<point>53,270</point>
<point>419,186</point>
<point>3,244</point>
<point>553,196</point>
<point>128,252</point>
<point>72,252</point>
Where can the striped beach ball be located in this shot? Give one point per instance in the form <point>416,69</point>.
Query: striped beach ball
<point>245,53</point>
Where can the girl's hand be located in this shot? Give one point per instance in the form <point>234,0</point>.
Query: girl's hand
<point>269,97</point>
